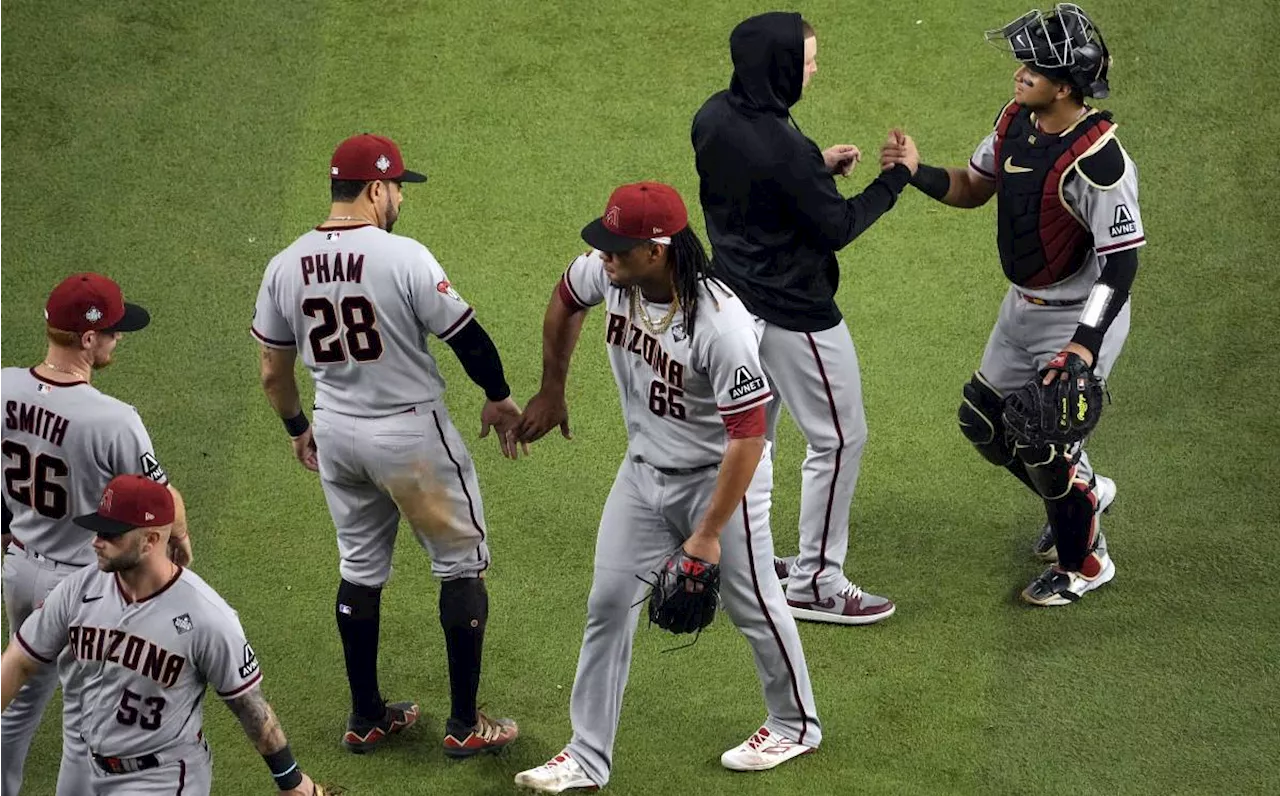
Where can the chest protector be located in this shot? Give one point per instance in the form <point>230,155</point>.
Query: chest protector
<point>1041,241</point>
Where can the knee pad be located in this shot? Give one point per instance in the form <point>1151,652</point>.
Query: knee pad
<point>358,602</point>
<point>980,421</point>
<point>464,603</point>
<point>1050,468</point>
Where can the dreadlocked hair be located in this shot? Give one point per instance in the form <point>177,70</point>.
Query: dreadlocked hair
<point>690,266</point>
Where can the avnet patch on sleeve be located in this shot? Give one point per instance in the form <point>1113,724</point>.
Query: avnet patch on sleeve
<point>151,468</point>
<point>745,383</point>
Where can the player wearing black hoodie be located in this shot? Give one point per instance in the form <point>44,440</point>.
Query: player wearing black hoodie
<point>775,221</point>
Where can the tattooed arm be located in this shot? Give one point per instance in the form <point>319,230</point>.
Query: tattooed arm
<point>264,732</point>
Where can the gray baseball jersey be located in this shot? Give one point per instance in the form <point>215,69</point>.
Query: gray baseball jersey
<point>359,301</point>
<point>1111,215</point>
<point>62,444</point>
<point>141,667</point>
<point>675,390</point>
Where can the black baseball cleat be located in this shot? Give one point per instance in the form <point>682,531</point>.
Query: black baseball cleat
<point>363,735</point>
<point>782,568</point>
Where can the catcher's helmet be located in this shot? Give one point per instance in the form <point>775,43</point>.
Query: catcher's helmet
<point>1062,44</point>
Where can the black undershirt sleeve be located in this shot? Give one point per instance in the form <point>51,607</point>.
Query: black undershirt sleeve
<point>479,358</point>
<point>1118,273</point>
<point>932,181</point>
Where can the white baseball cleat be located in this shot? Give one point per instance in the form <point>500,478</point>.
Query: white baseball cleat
<point>560,773</point>
<point>1046,547</point>
<point>762,751</point>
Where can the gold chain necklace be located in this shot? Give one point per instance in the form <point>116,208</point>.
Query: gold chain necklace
<point>655,328</point>
<point>68,371</point>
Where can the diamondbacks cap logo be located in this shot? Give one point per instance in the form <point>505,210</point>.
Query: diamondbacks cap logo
<point>106,499</point>
<point>744,383</point>
<point>611,217</point>
<point>93,315</point>
<point>1122,223</point>
<point>382,163</point>
<point>182,624</point>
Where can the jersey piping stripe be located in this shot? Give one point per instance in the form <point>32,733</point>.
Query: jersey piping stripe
<point>835,474</point>
<point>237,692</point>
<point>773,628</point>
<point>735,408</point>
<point>1128,244</point>
<point>182,777</point>
<point>573,293</point>
<point>270,342</point>
<point>53,383</point>
<point>457,325</point>
<point>981,171</point>
<point>471,506</point>
<point>31,652</point>
<point>151,596</point>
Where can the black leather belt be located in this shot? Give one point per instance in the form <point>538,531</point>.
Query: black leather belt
<point>686,470</point>
<point>126,765</point>
<point>1050,302</point>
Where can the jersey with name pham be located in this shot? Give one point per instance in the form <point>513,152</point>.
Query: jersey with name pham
<point>140,669</point>
<point>1112,216</point>
<point>358,302</point>
<point>62,444</point>
<point>676,392</point>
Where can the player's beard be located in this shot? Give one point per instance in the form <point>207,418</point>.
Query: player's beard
<point>126,560</point>
<point>390,215</point>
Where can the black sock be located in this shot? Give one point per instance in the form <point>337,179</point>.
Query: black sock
<point>1072,517</point>
<point>358,611</point>
<point>464,611</point>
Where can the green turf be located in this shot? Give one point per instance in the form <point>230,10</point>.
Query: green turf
<point>177,146</point>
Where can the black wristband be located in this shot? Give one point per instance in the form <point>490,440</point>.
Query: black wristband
<point>284,769</point>
<point>296,426</point>
<point>932,181</point>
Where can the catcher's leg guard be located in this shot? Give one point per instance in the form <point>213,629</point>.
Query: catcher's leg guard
<point>464,612</point>
<point>359,611</point>
<point>1050,468</point>
<point>980,421</point>
<point>1073,517</point>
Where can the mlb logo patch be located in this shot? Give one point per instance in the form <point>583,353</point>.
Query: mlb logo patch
<point>182,624</point>
<point>43,388</point>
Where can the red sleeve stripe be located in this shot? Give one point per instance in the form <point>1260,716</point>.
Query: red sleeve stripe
<point>243,688</point>
<point>745,405</point>
<point>576,299</point>
<point>458,324</point>
<point>1128,244</point>
<point>31,652</point>
<point>270,342</point>
<point>745,425</point>
<point>988,175</point>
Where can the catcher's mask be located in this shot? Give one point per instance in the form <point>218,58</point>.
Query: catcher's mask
<point>1062,44</point>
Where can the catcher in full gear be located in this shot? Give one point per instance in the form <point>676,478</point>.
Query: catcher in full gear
<point>1069,229</point>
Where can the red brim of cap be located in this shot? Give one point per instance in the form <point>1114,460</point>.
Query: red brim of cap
<point>104,526</point>
<point>598,236</point>
<point>134,319</point>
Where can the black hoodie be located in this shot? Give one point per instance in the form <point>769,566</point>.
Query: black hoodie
<point>774,216</point>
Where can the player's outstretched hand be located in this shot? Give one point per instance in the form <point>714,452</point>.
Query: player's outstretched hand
<point>545,411</point>
<point>180,549</point>
<point>841,159</point>
<point>305,788</point>
<point>900,148</point>
<point>304,449</point>
<point>503,417</point>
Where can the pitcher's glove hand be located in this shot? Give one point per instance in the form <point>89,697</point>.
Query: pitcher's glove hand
<point>1062,412</point>
<point>685,594</point>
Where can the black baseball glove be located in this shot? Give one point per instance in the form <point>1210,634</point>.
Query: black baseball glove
<point>1062,412</point>
<point>686,591</point>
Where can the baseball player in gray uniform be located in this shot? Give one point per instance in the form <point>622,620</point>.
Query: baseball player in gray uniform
<point>144,637</point>
<point>1069,229</point>
<point>63,440</point>
<point>359,302</point>
<point>697,474</point>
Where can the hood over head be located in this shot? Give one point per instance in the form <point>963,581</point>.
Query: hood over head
<point>768,61</point>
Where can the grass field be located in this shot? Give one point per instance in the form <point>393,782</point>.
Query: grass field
<point>176,146</point>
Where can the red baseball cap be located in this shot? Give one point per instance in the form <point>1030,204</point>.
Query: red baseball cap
<point>370,157</point>
<point>92,302</point>
<point>636,213</point>
<point>128,502</point>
